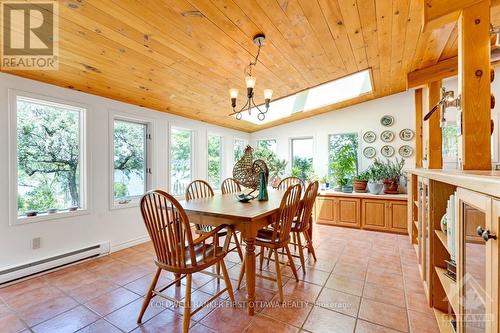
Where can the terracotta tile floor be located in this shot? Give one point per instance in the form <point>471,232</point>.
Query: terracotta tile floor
<point>362,282</point>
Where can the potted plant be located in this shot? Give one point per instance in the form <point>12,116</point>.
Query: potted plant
<point>325,180</point>
<point>344,165</point>
<point>376,172</point>
<point>360,182</point>
<point>393,172</point>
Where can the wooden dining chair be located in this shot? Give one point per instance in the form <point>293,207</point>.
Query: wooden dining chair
<point>289,181</point>
<point>230,185</point>
<point>278,236</point>
<point>201,189</point>
<point>176,252</point>
<point>302,222</point>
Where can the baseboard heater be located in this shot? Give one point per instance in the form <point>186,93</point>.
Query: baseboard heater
<point>18,272</point>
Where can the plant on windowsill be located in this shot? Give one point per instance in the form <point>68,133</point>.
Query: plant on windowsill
<point>393,172</point>
<point>344,165</point>
<point>376,173</point>
<point>360,182</point>
<point>325,180</point>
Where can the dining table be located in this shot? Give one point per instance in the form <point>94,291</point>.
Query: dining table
<point>246,217</point>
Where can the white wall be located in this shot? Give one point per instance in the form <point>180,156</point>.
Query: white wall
<point>358,118</point>
<point>122,226</point>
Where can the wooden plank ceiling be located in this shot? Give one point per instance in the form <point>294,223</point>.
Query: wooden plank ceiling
<point>182,56</point>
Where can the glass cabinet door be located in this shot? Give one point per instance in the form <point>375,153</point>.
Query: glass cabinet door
<point>474,258</point>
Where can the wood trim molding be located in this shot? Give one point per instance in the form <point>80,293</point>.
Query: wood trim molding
<point>418,127</point>
<point>441,70</point>
<point>435,152</point>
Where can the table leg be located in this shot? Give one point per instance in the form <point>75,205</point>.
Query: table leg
<point>250,273</point>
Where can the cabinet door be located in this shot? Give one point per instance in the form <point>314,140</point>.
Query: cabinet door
<point>347,212</point>
<point>477,262</point>
<point>397,217</point>
<point>324,210</point>
<point>373,215</point>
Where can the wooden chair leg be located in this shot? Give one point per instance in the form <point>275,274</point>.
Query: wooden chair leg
<point>227,281</point>
<point>261,257</point>
<point>242,273</point>
<point>301,253</point>
<point>310,246</point>
<point>238,247</point>
<point>187,305</point>
<point>177,277</point>
<point>269,256</point>
<point>292,264</point>
<point>217,271</point>
<point>294,241</point>
<point>149,295</point>
<point>278,274</point>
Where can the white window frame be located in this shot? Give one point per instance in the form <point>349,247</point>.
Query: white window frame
<point>290,148</point>
<point>85,164</point>
<point>267,139</point>
<point>245,143</point>
<point>358,151</point>
<point>149,180</point>
<point>193,155</point>
<point>221,158</point>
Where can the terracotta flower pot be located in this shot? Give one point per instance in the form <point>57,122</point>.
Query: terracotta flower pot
<point>360,186</point>
<point>391,186</point>
<point>276,181</point>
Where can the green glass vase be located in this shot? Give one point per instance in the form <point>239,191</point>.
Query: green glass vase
<point>263,195</point>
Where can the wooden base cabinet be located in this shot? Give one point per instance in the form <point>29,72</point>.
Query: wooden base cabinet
<point>384,215</point>
<point>338,211</point>
<point>366,213</point>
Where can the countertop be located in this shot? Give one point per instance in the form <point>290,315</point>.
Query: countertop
<point>487,182</point>
<point>331,193</point>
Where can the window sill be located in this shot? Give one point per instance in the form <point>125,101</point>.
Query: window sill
<point>48,217</point>
<point>132,204</point>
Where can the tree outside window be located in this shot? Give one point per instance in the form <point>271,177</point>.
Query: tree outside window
<point>302,158</point>
<point>180,160</point>
<point>239,149</point>
<point>49,156</point>
<point>214,160</point>
<point>346,144</point>
<point>129,159</point>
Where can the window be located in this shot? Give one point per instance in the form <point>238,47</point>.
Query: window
<point>181,142</point>
<point>267,145</point>
<point>130,160</point>
<point>339,90</point>
<point>450,142</point>
<point>302,158</point>
<point>214,160</point>
<point>239,149</point>
<point>50,157</point>
<point>346,144</point>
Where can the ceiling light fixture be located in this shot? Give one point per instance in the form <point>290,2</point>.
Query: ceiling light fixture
<point>250,84</point>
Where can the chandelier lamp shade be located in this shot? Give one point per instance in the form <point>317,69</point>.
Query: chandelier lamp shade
<point>250,81</point>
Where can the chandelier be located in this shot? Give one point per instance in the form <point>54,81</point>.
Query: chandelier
<point>250,84</point>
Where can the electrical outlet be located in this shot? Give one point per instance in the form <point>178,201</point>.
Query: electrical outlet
<point>36,243</point>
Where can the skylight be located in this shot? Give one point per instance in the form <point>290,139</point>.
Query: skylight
<point>332,92</point>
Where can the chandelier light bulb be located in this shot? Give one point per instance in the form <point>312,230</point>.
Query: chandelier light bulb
<point>250,81</point>
<point>268,93</point>
<point>233,93</point>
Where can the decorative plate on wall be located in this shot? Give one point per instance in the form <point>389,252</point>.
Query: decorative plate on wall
<point>369,152</point>
<point>387,136</point>
<point>369,137</point>
<point>387,151</point>
<point>387,120</point>
<point>405,151</point>
<point>406,134</point>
